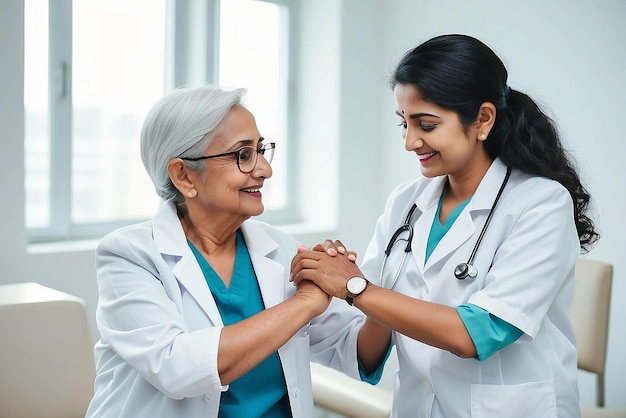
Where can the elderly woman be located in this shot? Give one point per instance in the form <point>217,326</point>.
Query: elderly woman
<point>196,313</point>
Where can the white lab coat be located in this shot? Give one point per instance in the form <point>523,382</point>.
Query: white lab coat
<point>525,276</point>
<point>160,327</point>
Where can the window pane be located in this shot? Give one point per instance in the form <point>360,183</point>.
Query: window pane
<point>118,72</point>
<point>253,55</point>
<point>36,141</point>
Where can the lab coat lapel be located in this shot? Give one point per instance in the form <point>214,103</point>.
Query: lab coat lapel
<point>469,220</point>
<point>462,230</point>
<point>269,272</point>
<point>427,206</point>
<point>172,243</point>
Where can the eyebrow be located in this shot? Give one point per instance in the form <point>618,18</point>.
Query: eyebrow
<point>417,115</point>
<point>247,142</point>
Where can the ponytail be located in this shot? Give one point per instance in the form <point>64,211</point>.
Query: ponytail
<point>525,138</point>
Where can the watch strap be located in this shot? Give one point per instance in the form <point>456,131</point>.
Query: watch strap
<point>349,299</point>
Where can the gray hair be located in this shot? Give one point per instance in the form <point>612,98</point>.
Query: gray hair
<point>183,123</point>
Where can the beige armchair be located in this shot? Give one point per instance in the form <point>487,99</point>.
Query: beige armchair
<point>46,354</point>
<point>590,316</point>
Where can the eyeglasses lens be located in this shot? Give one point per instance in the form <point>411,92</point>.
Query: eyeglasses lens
<point>248,156</point>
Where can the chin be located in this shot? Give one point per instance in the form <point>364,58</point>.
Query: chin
<point>257,212</point>
<point>429,174</point>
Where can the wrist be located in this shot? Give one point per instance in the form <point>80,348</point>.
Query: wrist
<point>355,286</point>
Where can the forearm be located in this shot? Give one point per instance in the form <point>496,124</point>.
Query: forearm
<point>433,324</point>
<point>373,344</point>
<point>246,344</point>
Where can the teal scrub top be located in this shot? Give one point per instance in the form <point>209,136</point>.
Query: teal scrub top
<point>262,391</point>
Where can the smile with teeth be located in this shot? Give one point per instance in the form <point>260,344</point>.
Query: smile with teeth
<point>428,155</point>
<point>251,190</point>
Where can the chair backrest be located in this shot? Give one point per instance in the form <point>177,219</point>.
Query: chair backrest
<point>590,317</point>
<point>46,355</point>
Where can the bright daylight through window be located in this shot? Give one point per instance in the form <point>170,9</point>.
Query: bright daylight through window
<point>91,74</point>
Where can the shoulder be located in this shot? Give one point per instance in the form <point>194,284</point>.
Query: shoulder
<point>264,237</point>
<point>268,229</point>
<point>412,186</point>
<point>410,191</point>
<point>126,236</point>
<point>133,243</point>
<point>538,189</point>
<point>538,200</point>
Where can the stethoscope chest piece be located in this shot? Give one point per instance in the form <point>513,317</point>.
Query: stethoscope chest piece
<point>465,270</point>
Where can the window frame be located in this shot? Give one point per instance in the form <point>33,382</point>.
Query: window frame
<point>187,62</point>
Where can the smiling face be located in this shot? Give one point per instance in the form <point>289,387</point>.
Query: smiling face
<point>225,192</point>
<point>442,144</point>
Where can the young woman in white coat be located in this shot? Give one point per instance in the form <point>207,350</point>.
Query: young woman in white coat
<point>470,272</point>
<point>196,313</point>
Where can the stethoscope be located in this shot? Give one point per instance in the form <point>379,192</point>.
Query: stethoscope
<point>463,270</point>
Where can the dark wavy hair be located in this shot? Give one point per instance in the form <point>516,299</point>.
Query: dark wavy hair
<point>459,73</point>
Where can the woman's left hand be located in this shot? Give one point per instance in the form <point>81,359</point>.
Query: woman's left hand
<point>334,248</point>
<point>330,273</point>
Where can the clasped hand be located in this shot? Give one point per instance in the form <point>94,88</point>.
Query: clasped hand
<point>329,265</point>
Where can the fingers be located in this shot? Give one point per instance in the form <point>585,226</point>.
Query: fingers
<point>328,247</point>
<point>334,248</point>
<point>304,266</point>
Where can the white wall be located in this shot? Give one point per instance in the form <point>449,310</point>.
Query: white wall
<point>567,55</point>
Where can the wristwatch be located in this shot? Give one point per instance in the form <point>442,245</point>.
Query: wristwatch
<point>354,287</point>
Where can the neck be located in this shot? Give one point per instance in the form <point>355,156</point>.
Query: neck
<point>461,186</point>
<point>210,238</point>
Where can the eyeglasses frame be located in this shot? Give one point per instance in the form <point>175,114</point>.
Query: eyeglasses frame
<point>261,150</point>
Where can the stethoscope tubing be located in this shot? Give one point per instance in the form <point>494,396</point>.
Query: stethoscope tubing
<point>463,270</point>
<point>470,260</point>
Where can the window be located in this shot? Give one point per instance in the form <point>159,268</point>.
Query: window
<point>93,68</point>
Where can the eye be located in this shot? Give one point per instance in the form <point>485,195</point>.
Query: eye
<point>245,153</point>
<point>427,127</point>
<point>402,123</point>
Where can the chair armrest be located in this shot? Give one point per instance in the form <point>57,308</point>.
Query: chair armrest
<point>341,394</point>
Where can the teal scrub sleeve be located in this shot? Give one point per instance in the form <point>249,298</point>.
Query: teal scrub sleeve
<point>374,377</point>
<point>488,332</point>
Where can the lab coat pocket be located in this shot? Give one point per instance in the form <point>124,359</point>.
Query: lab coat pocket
<point>536,399</point>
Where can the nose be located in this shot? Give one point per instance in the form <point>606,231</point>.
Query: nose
<point>412,139</point>
<point>263,167</point>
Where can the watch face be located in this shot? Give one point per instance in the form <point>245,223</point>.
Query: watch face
<point>356,285</point>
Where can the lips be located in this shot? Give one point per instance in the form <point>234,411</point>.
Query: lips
<point>427,156</point>
<point>255,190</point>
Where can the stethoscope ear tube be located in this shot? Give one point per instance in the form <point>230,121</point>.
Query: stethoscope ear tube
<point>465,270</point>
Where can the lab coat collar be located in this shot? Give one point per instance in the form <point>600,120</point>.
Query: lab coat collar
<point>270,273</point>
<point>172,244</point>
<point>488,188</point>
<point>464,227</point>
<point>482,199</point>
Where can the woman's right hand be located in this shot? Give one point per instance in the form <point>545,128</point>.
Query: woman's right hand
<point>313,296</point>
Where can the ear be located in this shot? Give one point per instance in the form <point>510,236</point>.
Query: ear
<point>485,120</point>
<point>182,177</point>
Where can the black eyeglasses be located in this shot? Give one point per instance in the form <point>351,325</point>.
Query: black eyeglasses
<point>247,156</point>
